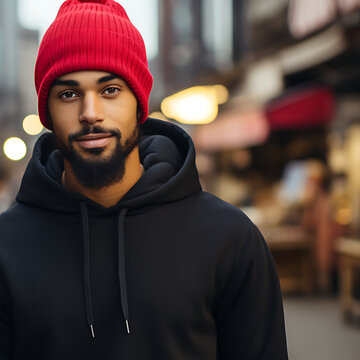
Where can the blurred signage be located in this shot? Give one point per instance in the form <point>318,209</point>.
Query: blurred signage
<point>313,51</point>
<point>307,16</point>
<point>232,130</point>
<point>264,80</point>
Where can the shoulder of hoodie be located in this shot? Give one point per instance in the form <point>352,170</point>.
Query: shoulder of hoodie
<point>226,228</point>
<point>206,204</point>
<point>17,213</point>
<point>15,222</point>
<point>214,215</point>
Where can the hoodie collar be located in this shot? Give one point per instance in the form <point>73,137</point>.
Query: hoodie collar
<point>166,152</point>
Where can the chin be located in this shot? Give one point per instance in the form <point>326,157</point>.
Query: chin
<point>93,151</point>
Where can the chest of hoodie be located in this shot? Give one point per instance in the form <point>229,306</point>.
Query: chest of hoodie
<point>170,275</point>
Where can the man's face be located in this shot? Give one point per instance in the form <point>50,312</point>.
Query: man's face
<point>94,119</point>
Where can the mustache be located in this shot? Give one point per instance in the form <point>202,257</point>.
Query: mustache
<point>86,130</point>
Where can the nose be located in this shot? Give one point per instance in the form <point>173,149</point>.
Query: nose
<point>92,109</point>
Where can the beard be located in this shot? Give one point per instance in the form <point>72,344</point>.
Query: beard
<point>97,171</point>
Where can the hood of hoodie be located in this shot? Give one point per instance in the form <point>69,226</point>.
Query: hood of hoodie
<point>166,152</point>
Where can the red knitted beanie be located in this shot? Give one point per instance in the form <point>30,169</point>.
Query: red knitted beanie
<point>93,35</point>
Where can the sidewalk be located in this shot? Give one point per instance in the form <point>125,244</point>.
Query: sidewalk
<point>316,331</point>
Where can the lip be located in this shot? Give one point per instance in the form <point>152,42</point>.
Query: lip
<point>91,141</point>
<point>93,136</point>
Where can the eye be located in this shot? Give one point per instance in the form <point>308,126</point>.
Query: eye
<point>67,95</point>
<point>111,90</point>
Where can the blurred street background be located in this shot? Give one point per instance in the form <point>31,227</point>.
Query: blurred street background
<point>270,92</point>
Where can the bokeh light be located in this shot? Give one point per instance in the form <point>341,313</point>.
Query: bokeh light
<point>196,105</point>
<point>32,125</point>
<point>15,148</point>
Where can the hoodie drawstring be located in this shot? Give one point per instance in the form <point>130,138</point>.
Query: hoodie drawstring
<point>121,267</point>
<point>86,266</point>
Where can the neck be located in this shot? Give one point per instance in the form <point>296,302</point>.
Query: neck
<point>110,195</point>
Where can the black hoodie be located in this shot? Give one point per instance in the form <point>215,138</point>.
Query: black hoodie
<point>170,272</point>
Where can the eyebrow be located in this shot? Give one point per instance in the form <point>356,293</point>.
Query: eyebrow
<point>76,83</point>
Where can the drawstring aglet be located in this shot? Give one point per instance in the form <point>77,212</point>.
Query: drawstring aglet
<point>92,331</point>
<point>127,326</point>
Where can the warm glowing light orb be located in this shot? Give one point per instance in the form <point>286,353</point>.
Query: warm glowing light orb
<point>196,105</point>
<point>344,216</point>
<point>14,148</point>
<point>32,125</point>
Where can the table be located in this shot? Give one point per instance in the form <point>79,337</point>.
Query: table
<point>292,250</point>
<point>348,250</point>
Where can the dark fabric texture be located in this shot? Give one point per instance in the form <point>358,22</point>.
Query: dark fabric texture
<point>170,272</point>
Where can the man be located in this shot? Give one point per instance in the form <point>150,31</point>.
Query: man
<point>112,250</point>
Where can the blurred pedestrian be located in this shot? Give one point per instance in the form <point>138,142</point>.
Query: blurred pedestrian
<point>113,251</point>
<point>319,221</point>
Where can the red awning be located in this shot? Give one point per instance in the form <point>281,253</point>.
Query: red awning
<point>302,109</point>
